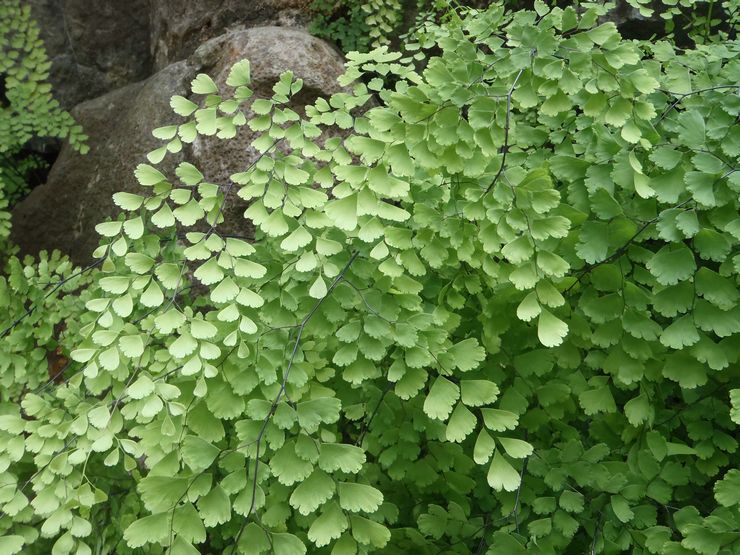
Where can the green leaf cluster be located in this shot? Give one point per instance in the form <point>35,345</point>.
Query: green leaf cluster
<point>489,304</point>
<point>28,109</point>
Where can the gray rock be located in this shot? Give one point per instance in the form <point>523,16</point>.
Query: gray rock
<point>178,27</point>
<point>632,24</point>
<point>93,48</point>
<point>62,213</point>
<point>98,48</point>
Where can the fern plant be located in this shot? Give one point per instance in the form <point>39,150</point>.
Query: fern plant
<point>27,108</point>
<point>44,302</point>
<point>362,25</point>
<point>498,315</point>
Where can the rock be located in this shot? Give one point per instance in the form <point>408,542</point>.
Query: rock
<point>632,24</point>
<point>178,28</point>
<point>93,49</point>
<point>62,213</point>
<point>271,51</point>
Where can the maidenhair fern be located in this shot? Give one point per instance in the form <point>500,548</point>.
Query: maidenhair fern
<point>497,314</point>
<point>27,108</point>
<point>358,26</point>
<point>42,301</point>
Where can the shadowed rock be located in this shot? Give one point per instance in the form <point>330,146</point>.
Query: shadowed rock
<point>62,213</point>
<point>94,47</point>
<point>178,28</point>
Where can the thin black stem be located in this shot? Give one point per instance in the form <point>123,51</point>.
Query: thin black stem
<point>281,392</point>
<point>58,285</point>
<point>507,127</point>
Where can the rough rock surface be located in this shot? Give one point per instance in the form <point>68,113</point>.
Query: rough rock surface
<point>104,45</point>
<point>632,24</point>
<point>178,28</point>
<point>62,214</point>
<point>271,51</point>
<point>94,48</point>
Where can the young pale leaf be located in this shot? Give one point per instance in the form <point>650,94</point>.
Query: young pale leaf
<point>300,237</point>
<point>203,84</point>
<point>99,416</point>
<point>188,173</point>
<point>209,272</point>
<point>288,467</point>
<point>329,526</point>
<point>128,201</point>
<point>183,346</point>
<point>529,308</point>
<point>484,447</point>
<point>477,393</point>
<point>441,398</point>
<point>343,212</point>
<point>501,475</point>
<point>215,508</point>
<point>339,456</point>
<point>369,532</point>
<point>318,288</point>
<point>131,345</point>
<point>152,295</point>
<point>182,106</point>
<point>239,75</point>
<point>313,492</point>
<point>141,388</point>
<point>317,411</point>
<point>465,355</point>
<point>461,424</point>
<point>148,176</point>
<point>225,291</point>
<point>356,497</point>
<point>551,330</point>
<point>515,448</point>
<point>499,420</point>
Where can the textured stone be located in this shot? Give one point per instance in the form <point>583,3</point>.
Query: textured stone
<point>93,49</point>
<point>178,28</point>
<point>62,213</point>
<point>271,51</point>
<point>633,25</point>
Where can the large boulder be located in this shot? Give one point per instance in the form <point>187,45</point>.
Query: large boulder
<point>177,28</point>
<point>62,213</point>
<point>98,49</point>
<point>94,49</point>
